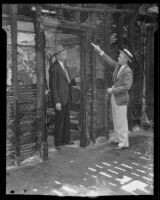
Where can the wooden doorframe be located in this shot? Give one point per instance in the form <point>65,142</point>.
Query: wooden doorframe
<point>80,31</point>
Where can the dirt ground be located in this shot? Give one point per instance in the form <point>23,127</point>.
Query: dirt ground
<point>92,171</point>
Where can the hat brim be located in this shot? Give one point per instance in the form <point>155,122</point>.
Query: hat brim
<point>55,54</point>
<point>125,55</point>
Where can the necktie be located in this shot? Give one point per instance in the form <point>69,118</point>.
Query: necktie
<point>115,73</point>
<point>120,69</point>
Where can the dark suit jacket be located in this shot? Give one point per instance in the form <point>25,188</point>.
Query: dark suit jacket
<point>122,83</point>
<point>58,84</point>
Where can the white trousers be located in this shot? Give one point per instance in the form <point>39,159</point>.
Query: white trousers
<point>120,122</point>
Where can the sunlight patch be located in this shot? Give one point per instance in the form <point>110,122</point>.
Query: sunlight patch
<point>125,179</point>
<point>134,185</point>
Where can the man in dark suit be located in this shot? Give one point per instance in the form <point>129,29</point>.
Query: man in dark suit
<point>121,84</point>
<point>60,86</point>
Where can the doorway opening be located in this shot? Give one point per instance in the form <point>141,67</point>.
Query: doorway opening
<point>71,42</point>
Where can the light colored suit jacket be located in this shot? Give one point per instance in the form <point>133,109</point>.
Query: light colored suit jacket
<point>121,83</point>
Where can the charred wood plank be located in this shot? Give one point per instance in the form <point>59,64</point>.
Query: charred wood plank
<point>13,22</point>
<point>93,92</point>
<point>40,63</point>
<point>83,92</point>
<point>107,23</point>
<point>82,9</point>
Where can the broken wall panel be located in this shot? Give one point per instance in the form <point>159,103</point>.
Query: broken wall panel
<point>10,150</point>
<point>26,66</point>
<point>28,27</point>
<point>27,92</point>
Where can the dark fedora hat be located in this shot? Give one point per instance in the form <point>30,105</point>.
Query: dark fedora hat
<point>127,53</point>
<point>58,49</point>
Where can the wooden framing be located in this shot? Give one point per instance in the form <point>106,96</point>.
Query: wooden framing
<point>13,22</point>
<point>93,94</point>
<point>83,32</point>
<point>106,84</point>
<point>41,135</point>
<point>41,104</point>
<point>84,9</point>
<point>89,87</point>
<point>83,139</point>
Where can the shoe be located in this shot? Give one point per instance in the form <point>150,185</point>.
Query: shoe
<point>68,143</point>
<point>71,143</point>
<point>58,148</point>
<point>120,148</point>
<point>112,142</point>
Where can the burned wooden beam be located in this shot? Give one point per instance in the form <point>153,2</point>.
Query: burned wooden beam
<point>93,93</point>
<point>83,139</point>
<point>41,104</point>
<point>107,22</point>
<point>65,25</point>
<point>78,15</point>
<point>13,22</point>
<point>77,8</point>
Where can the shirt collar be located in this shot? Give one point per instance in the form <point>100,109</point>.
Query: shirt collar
<point>123,66</point>
<point>61,64</point>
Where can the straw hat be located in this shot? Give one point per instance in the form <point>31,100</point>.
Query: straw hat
<point>127,54</point>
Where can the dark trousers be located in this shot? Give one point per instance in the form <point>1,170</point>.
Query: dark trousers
<point>62,125</point>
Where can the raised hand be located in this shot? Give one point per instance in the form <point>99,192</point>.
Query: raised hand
<point>109,90</point>
<point>58,106</point>
<point>97,48</point>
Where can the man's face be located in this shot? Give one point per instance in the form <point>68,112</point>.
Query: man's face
<point>121,58</point>
<point>63,55</point>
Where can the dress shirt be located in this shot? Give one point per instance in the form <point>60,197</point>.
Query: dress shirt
<point>121,69</point>
<point>64,69</point>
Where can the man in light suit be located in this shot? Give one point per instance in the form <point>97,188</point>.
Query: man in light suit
<point>60,86</point>
<point>121,83</point>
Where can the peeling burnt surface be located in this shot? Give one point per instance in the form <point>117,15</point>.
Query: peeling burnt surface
<point>26,123</point>
<point>10,153</point>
